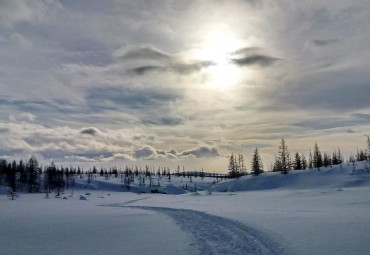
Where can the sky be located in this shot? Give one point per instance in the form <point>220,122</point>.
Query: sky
<point>167,83</point>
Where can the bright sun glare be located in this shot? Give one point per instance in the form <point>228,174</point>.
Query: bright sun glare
<point>218,49</point>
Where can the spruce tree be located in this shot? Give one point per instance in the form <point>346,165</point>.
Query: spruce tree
<point>334,158</point>
<point>232,168</point>
<point>284,157</point>
<point>242,168</point>
<point>32,169</point>
<point>310,160</point>
<point>277,165</point>
<point>327,160</point>
<point>12,175</point>
<point>256,164</point>
<point>368,148</point>
<point>340,157</point>
<point>304,162</point>
<point>297,162</point>
<point>317,157</point>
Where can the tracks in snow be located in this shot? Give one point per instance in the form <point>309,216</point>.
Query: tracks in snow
<point>216,235</point>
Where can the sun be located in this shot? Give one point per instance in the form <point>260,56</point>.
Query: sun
<point>218,49</point>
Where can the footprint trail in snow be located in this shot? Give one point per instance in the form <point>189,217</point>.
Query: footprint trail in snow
<point>217,235</point>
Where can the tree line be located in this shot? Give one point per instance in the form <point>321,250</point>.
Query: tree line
<point>29,176</point>
<point>284,162</point>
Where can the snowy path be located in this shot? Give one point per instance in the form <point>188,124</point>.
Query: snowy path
<point>217,235</point>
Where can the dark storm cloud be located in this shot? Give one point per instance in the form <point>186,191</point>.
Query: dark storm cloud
<point>201,152</point>
<point>260,60</point>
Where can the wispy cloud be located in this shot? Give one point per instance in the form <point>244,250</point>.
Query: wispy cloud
<point>153,60</point>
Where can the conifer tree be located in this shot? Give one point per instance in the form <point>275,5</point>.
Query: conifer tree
<point>310,160</point>
<point>232,168</point>
<point>237,168</point>
<point>12,175</point>
<point>340,157</point>
<point>334,158</point>
<point>304,162</point>
<point>284,157</point>
<point>32,169</point>
<point>242,168</point>
<point>317,157</point>
<point>277,165</point>
<point>297,162</point>
<point>256,164</point>
<point>327,160</point>
<point>368,148</point>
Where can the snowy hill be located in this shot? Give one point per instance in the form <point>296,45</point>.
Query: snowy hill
<point>356,175</point>
<point>335,177</point>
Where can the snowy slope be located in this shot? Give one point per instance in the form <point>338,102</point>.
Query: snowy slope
<point>328,177</point>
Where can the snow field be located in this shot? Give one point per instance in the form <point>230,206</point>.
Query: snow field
<point>35,225</point>
<point>304,212</point>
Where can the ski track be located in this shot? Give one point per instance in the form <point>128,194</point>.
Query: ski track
<point>216,235</point>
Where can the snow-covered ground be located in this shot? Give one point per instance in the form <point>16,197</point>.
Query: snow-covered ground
<point>304,212</point>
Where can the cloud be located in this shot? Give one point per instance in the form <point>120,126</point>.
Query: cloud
<point>323,43</point>
<point>171,121</point>
<point>132,97</point>
<point>201,152</point>
<point>147,59</point>
<point>362,116</point>
<point>90,131</point>
<point>145,153</point>
<point>119,157</point>
<point>24,116</point>
<point>141,70</point>
<point>14,12</point>
<point>74,158</point>
<point>246,51</point>
<point>342,95</point>
<point>252,56</point>
<point>143,52</point>
<point>260,60</point>
<point>188,68</point>
<point>4,130</point>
